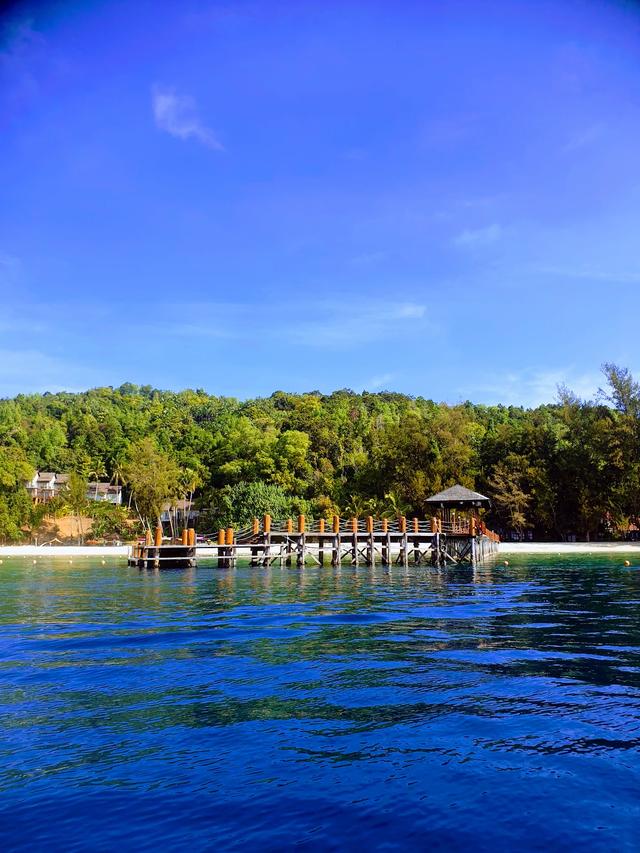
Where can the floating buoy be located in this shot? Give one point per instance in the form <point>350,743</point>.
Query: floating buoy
<point>103,562</point>
<point>34,562</point>
<point>506,562</point>
<point>70,561</point>
<point>627,563</point>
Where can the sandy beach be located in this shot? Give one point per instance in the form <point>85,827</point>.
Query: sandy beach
<point>64,550</point>
<point>568,547</point>
<point>505,548</point>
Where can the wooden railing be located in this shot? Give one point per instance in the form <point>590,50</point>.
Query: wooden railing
<point>347,527</point>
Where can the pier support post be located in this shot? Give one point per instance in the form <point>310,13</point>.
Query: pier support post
<point>386,543</point>
<point>231,559</point>
<point>335,543</point>
<point>404,544</point>
<point>221,541</point>
<point>266,527</point>
<point>354,540</point>
<point>302,544</point>
<point>321,542</point>
<point>371,554</point>
<point>255,530</point>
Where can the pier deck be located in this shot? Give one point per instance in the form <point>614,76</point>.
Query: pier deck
<point>356,542</point>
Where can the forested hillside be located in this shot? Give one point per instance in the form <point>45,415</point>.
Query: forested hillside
<point>568,467</point>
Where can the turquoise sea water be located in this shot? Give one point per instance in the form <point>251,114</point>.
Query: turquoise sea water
<point>320,709</point>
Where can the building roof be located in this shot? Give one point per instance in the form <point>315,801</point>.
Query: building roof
<point>458,496</point>
<point>105,488</point>
<point>180,505</point>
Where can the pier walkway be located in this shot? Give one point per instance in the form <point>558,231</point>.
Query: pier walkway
<point>354,541</point>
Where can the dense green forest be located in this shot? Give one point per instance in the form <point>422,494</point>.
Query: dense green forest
<point>572,467</point>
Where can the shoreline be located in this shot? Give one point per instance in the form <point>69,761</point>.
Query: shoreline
<point>568,547</point>
<point>504,548</point>
<point>64,550</point>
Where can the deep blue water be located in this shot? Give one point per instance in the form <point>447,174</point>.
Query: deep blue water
<point>335,709</point>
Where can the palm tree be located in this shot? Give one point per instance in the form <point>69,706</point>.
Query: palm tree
<point>117,476</point>
<point>190,480</point>
<point>99,471</point>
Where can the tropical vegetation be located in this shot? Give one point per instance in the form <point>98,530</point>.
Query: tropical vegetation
<point>571,467</point>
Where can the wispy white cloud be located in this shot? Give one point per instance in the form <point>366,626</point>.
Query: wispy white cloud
<point>368,259</point>
<point>25,371</point>
<point>583,139</point>
<point>474,238</point>
<point>336,323</point>
<point>379,382</point>
<point>177,115</point>
<point>349,324</point>
<point>594,273</point>
<point>532,387</point>
<point>10,267</point>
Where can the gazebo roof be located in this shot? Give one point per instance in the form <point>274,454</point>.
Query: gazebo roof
<point>458,496</point>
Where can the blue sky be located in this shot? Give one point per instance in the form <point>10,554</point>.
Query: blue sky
<point>439,199</point>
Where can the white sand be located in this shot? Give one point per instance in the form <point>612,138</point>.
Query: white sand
<point>64,550</point>
<point>505,548</point>
<point>569,547</point>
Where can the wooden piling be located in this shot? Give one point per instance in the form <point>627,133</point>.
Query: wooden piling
<point>335,544</point>
<point>416,542</point>
<point>266,530</point>
<point>287,562</point>
<point>231,560</point>
<point>321,542</point>
<point>354,541</point>
<point>221,541</point>
<point>302,549</point>
<point>386,543</point>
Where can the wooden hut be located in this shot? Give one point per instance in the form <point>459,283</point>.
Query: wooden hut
<point>457,499</point>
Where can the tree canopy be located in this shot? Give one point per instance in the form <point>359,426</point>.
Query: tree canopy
<point>557,469</point>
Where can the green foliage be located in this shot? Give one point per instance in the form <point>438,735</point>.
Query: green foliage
<point>559,469</point>
<point>109,520</point>
<point>241,502</point>
<point>153,477</point>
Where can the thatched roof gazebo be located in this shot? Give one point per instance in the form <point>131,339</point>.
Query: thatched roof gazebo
<point>457,499</point>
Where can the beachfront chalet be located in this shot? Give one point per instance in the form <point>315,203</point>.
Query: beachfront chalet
<point>46,485</point>
<point>104,492</point>
<point>180,512</point>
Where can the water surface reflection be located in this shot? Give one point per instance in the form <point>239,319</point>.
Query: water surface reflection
<point>382,707</point>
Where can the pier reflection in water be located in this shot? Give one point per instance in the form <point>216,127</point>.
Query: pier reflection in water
<point>487,707</point>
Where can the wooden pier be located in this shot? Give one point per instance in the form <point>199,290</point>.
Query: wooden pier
<point>356,542</point>
<point>155,553</point>
<point>454,535</point>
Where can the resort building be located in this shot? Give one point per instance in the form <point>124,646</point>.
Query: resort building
<point>47,485</point>
<point>181,512</point>
<point>104,492</point>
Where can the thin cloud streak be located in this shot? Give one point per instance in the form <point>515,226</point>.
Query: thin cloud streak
<point>471,239</point>
<point>178,116</point>
<point>334,325</point>
<point>534,387</point>
<point>30,371</point>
